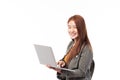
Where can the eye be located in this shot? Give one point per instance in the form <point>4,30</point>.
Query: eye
<point>71,26</point>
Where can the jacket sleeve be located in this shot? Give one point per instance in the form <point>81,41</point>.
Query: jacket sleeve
<point>83,64</point>
<point>61,75</point>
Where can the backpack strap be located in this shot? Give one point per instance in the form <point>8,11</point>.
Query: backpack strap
<point>92,68</point>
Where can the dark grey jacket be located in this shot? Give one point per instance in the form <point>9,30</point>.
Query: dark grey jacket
<point>79,64</point>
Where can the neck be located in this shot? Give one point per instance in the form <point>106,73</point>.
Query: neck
<point>76,40</point>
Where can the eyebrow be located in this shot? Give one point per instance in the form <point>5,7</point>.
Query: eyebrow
<point>72,25</point>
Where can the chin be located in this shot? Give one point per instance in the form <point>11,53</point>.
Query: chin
<point>73,37</point>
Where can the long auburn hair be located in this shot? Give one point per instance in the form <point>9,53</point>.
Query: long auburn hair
<point>82,31</point>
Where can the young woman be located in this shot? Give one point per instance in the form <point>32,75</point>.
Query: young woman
<point>79,54</point>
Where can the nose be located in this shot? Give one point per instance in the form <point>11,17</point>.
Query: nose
<point>71,29</point>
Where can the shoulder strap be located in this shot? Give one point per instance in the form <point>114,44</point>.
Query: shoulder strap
<point>92,67</point>
<point>80,53</point>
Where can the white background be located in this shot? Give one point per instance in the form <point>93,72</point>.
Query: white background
<point>27,22</point>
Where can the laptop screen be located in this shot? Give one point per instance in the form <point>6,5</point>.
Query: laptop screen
<point>45,55</point>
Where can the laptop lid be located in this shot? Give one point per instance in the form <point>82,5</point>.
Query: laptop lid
<point>45,55</point>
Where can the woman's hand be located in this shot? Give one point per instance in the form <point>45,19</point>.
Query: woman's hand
<point>49,66</point>
<point>58,70</point>
<point>61,63</point>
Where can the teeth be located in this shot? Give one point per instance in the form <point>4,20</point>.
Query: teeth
<point>72,34</point>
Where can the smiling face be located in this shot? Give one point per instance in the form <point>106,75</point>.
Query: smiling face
<point>72,29</point>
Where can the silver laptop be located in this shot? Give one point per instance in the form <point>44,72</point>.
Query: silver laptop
<point>46,56</point>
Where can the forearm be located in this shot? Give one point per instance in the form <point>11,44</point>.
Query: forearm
<point>74,73</point>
